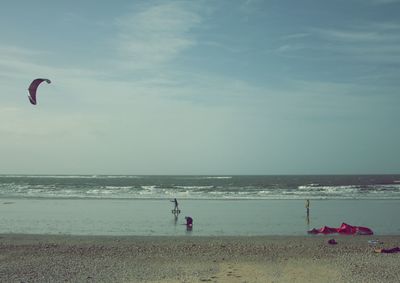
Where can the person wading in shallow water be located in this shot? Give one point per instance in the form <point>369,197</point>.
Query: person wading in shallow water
<point>308,211</point>
<point>176,208</point>
<point>189,222</point>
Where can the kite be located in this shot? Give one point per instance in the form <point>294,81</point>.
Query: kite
<point>345,229</point>
<point>33,87</point>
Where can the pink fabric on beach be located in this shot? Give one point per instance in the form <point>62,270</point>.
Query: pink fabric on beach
<point>363,231</point>
<point>345,229</point>
<point>327,230</point>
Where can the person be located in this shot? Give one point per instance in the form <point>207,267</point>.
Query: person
<point>189,221</point>
<point>176,204</point>
<point>308,211</point>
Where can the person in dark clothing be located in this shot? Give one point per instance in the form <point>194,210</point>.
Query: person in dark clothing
<point>175,201</point>
<point>308,211</point>
<point>176,209</point>
<point>189,222</point>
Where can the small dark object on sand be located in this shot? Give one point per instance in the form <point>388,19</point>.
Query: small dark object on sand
<point>388,251</point>
<point>332,242</point>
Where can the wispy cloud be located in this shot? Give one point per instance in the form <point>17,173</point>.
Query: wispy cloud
<point>9,50</point>
<point>382,2</point>
<point>372,42</point>
<point>22,62</point>
<point>153,35</point>
<point>295,36</point>
<point>377,2</point>
<point>362,35</point>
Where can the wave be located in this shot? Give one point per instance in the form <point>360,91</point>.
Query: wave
<point>11,190</point>
<point>200,187</point>
<point>75,176</point>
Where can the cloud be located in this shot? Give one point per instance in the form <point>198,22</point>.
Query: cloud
<point>298,35</point>
<point>383,2</point>
<point>377,2</point>
<point>372,42</point>
<point>153,35</point>
<point>361,34</point>
<point>9,50</point>
<point>376,43</point>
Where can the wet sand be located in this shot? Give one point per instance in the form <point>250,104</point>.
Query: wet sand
<point>50,258</point>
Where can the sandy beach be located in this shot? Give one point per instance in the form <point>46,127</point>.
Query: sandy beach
<point>52,258</point>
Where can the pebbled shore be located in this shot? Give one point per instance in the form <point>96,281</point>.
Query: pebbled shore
<point>48,258</point>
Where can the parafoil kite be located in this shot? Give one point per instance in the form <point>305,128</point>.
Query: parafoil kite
<point>33,87</point>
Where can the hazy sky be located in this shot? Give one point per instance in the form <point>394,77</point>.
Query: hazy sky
<point>200,87</point>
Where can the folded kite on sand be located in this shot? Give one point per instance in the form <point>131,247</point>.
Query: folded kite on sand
<point>345,229</point>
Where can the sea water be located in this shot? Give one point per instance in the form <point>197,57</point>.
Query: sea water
<point>219,205</point>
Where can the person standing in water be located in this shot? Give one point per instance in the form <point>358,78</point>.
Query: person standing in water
<point>308,211</point>
<point>175,201</point>
<point>176,209</point>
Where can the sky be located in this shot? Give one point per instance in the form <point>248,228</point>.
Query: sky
<point>200,87</point>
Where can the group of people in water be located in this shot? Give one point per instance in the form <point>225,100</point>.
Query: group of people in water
<point>176,211</point>
<point>189,225</point>
<point>189,220</point>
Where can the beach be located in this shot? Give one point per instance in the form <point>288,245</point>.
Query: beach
<point>246,229</point>
<point>61,258</point>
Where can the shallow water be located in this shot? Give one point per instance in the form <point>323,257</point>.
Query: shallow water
<point>211,217</point>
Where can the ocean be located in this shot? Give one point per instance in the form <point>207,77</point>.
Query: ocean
<point>201,187</point>
<point>219,205</point>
